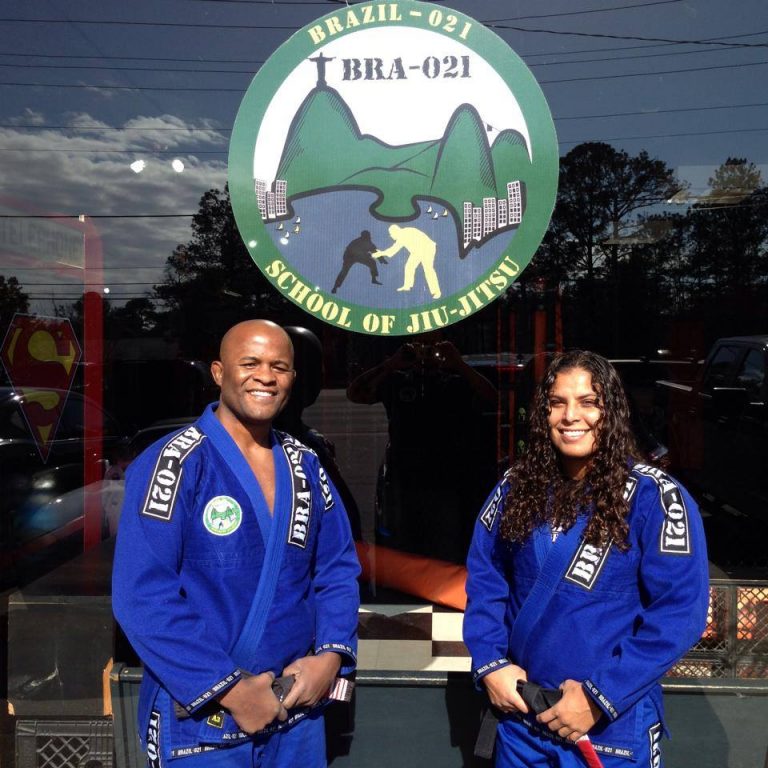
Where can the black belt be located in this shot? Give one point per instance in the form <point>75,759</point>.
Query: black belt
<point>537,699</point>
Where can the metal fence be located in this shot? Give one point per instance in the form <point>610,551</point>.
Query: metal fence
<point>735,643</point>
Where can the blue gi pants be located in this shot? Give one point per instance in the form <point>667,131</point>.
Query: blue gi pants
<point>518,746</point>
<point>302,745</point>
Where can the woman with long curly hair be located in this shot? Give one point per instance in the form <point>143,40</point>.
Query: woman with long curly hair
<point>587,573</point>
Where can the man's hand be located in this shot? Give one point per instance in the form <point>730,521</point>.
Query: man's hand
<point>252,703</point>
<point>314,676</point>
<point>502,688</point>
<point>574,714</point>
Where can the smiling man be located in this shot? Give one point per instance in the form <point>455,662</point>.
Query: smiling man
<point>234,565</point>
<point>588,572</point>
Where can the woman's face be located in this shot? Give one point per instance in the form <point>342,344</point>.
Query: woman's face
<point>574,414</point>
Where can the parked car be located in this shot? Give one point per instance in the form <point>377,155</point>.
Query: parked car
<point>41,500</point>
<point>717,425</point>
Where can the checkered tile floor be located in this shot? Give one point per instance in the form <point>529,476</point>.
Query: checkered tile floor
<point>409,638</point>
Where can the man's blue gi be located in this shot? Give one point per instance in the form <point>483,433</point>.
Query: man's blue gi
<point>208,585</point>
<point>617,621</point>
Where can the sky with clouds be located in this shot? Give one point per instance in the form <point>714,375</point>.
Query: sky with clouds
<point>89,88</point>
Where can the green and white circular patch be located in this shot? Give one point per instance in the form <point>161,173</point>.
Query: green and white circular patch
<point>222,515</point>
<point>393,167</point>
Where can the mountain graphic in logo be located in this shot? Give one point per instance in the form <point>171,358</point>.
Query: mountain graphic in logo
<point>325,149</point>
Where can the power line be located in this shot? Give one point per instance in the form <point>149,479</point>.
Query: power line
<point>491,24</point>
<point>97,216</point>
<point>224,152</point>
<point>559,118</point>
<point>121,87</point>
<point>240,90</point>
<point>47,268</point>
<point>128,69</point>
<point>704,41</point>
<point>105,57</point>
<point>653,73</point>
<point>667,135</point>
<point>624,58</point>
<point>28,126</point>
<point>158,24</point>
<point>584,12</point>
<point>251,70</point>
<point>110,283</point>
<point>651,113</point>
<point>146,128</point>
<point>606,36</point>
<point>266,2</point>
<point>126,151</point>
<point>145,58</point>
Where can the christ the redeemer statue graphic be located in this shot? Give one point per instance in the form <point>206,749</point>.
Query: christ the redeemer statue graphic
<point>321,61</point>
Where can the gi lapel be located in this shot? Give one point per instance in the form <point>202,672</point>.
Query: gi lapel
<point>551,571</point>
<point>274,530</point>
<point>245,650</point>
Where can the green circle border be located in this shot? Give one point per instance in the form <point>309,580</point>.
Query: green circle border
<point>509,66</point>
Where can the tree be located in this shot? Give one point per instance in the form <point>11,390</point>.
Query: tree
<point>211,282</point>
<point>137,317</point>
<point>12,300</point>
<point>725,253</point>
<point>601,190</point>
<point>597,225</point>
<point>729,228</point>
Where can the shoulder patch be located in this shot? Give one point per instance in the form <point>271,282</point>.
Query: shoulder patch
<point>325,487</point>
<point>674,538</point>
<point>166,477</point>
<point>629,488</point>
<point>586,565</point>
<point>301,491</point>
<point>294,449</point>
<point>488,515</point>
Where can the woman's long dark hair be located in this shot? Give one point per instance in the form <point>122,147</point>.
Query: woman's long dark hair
<point>541,493</point>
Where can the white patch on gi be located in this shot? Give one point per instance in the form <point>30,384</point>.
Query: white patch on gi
<point>222,515</point>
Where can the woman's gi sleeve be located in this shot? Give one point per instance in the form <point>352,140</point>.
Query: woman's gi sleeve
<point>674,589</point>
<point>170,636</point>
<point>486,623</point>
<point>336,568</point>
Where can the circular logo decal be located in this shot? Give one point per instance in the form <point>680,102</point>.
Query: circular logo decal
<point>393,167</point>
<point>222,515</point>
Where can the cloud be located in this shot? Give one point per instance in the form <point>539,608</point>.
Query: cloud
<point>83,167</point>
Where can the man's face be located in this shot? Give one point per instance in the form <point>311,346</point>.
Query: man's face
<point>255,372</point>
<point>574,413</point>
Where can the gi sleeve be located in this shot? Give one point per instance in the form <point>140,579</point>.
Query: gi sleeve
<point>486,620</point>
<point>674,588</point>
<point>171,637</point>
<point>334,579</point>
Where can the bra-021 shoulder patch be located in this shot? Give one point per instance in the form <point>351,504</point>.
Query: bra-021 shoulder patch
<point>488,515</point>
<point>675,536</point>
<point>166,476</point>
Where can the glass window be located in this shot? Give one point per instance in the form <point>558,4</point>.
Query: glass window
<point>722,368</point>
<point>751,375</point>
<point>123,262</point>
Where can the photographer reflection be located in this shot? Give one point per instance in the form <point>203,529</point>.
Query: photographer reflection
<point>439,455</point>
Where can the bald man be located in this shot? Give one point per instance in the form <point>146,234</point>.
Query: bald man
<point>235,564</point>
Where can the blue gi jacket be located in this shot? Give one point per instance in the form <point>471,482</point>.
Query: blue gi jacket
<point>617,621</point>
<point>207,583</point>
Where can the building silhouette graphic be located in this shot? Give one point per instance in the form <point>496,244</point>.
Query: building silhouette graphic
<point>272,203</point>
<point>494,214</point>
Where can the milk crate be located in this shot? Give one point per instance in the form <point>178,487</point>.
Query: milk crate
<point>64,743</point>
